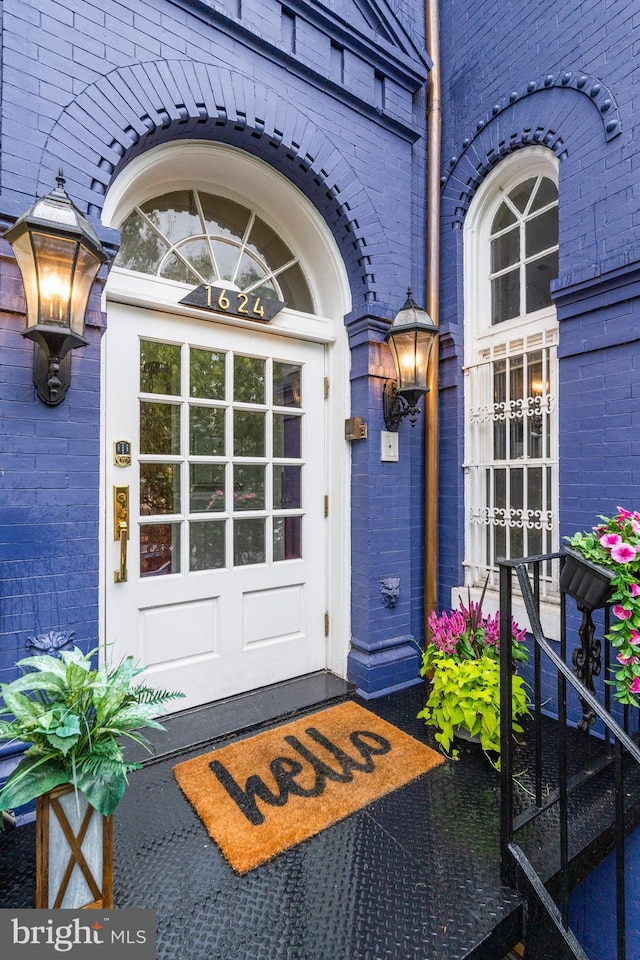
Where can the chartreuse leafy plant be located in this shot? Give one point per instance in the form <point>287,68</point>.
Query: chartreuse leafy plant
<point>465,695</point>
<point>462,661</point>
<point>615,544</point>
<point>73,716</point>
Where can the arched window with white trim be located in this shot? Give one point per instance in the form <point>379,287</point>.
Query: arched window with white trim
<point>195,237</point>
<point>511,257</point>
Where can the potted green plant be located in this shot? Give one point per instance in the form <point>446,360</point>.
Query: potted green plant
<point>611,550</point>
<point>73,715</point>
<point>462,660</point>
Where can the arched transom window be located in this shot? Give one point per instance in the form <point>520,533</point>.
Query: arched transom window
<point>194,237</point>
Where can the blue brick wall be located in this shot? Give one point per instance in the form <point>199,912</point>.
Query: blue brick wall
<point>92,86</point>
<point>49,483</point>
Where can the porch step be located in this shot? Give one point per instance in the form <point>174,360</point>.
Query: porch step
<point>240,714</point>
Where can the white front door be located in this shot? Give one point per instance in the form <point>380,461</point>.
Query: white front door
<point>225,560</point>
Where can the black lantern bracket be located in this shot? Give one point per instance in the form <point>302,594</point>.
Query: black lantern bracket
<point>396,406</point>
<point>52,362</point>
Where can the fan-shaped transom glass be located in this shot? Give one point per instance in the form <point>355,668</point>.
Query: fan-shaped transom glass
<point>195,237</point>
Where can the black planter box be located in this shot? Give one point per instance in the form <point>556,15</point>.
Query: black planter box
<point>588,584</point>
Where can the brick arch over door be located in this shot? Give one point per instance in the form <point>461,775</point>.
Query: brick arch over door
<point>139,106</point>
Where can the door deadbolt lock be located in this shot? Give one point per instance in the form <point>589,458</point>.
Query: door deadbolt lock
<point>121,529</point>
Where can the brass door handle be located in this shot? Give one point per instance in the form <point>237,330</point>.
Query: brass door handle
<point>121,529</point>
<point>120,575</point>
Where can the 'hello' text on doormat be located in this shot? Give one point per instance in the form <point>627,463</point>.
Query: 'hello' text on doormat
<point>262,795</point>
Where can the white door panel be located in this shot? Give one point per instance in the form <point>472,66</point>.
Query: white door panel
<point>226,556</point>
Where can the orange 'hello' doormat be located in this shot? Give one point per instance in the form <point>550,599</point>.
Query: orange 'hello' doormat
<point>260,796</point>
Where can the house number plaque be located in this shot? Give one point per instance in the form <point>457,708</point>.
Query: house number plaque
<point>248,306</point>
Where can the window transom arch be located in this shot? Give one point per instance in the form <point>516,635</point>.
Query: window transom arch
<point>511,257</point>
<point>193,236</point>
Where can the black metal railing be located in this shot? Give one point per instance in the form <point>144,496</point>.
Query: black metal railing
<point>563,802</point>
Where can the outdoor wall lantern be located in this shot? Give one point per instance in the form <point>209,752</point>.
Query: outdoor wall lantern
<point>411,337</point>
<point>59,255</point>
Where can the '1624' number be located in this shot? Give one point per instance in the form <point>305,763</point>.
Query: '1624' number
<point>240,303</point>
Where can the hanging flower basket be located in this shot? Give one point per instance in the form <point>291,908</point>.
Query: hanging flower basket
<point>590,585</point>
<point>611,549</point>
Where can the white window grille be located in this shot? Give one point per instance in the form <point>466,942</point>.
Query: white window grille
<point>511,256</point>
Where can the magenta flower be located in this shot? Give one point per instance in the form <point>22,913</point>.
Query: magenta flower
<point>627,661</point>
<point>635,686</point>
<point>634,589</point>
<point>620,612</point>
<point>623,553</point>
<point>625,514</point>
<point>610,540</point>
<point>635,637</point>
<point>635,525</point>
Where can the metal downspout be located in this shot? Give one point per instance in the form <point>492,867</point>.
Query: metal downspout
<point>434,139</point>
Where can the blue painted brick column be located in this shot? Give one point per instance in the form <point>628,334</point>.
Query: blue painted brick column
<point>384,655</point>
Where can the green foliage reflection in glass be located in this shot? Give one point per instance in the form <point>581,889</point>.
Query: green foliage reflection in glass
<point>159,428</point>
<point>194,237</point>
<point>159,368</point>
<point>248,379</point>
<point>207,374</point>
<point>248,433</point>
<point>206,431</point>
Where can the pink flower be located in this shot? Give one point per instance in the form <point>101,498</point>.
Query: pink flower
<point>627,661</point>
<point>623,513</point>
<point>634,589</point>
<point>610,540</point>
<point>635,525</point>
<point>620,612</point>
<point>623,553</point>
<point>635,637</point>
<point>635,686</point>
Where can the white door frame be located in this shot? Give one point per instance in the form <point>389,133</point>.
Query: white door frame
<point>218,168</point>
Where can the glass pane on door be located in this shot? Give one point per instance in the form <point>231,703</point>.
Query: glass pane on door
<point>224,437</point>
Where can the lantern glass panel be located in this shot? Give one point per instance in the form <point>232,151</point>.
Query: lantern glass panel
<point>55,266</point>
<point>424,344</point>
<point>406,354</point>
<point>87,267</point>
<point>24,255</point>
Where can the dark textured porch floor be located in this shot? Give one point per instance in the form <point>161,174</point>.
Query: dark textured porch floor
<point>413,875</point>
